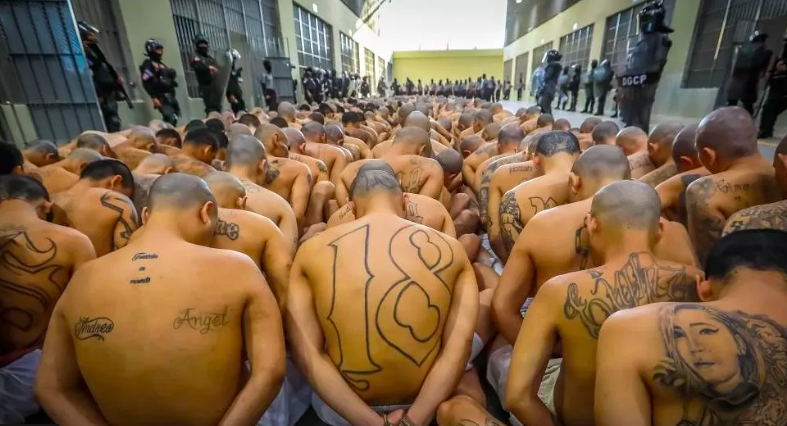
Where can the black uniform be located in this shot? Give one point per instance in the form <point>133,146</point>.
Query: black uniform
<point>201,63</point>
<point>106,91</point>
<point>573,87</point>
<point>310,86</point>
<point>750,64</point>
<point>548,88</point>
<point>590,94</point>
<point>602,84</point>
<point>519,88</point>
<point>268,88</point>
<point>644,66</point>
<point>159,81</point>
<point>235,91</point>
<point>776,102</point>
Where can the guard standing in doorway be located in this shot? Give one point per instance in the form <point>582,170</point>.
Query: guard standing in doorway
<point>107,82</point>
<point>159,81</point>
<point>204,67</point>
<point>751,63</point>
<point>776,99</point>
<point>549,85</point>
<point>234,89</point>
<point>637,86</point>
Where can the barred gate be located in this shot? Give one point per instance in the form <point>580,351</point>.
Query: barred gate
<point>43,66</point>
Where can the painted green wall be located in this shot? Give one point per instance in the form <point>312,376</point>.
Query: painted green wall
<point>448,64</point>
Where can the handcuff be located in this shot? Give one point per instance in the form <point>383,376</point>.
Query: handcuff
<point>406,421</point>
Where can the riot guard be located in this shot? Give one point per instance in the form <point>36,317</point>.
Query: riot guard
<point>602,84</point>
<point>549,83</point>
<point>205,68</point>
<point>160,82</point>
<point>751,63</point>
<point>234,88</point>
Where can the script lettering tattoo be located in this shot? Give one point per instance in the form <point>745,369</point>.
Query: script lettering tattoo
<point>704,228</point>
<point>729,367</point>
<point>142,257</point>
<point>510,220</point>
<point>773,216</point>
<point>641,281</point>
<point>93,328</point>
<point>228,229</point>
<point>539,204</point>
<point>660,175</point>
<point>117,204</point>
<point>31,280</point>
<point>203,322</point>
<point>405,311</point>
<point>520,169</point>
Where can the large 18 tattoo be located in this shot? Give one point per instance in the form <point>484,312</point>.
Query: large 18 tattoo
<point>642,280</point>
<point>730,368</point>
<point>510,220</point>
<point>115,203</point>
<point>405,317</point>
<point>30,277</point>
<point>772,216</point>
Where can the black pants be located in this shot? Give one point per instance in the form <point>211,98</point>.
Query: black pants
<point>210,105</point>
<point>170,109</point>
<point>574,100</point>
<point>239,105</point>
<point>519,94</point>
<point>590,100</point>
<point>545,101</point>
<point>770,112</point>
<point>602,102</point>
<point>109,110</point>
<point>637,106</point>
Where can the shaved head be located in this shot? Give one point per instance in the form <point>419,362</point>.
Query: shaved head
<point>471,143</point>
<point>465,120</point>
<point>43,147</point>
<point>631,140</point>
<point>450,161</point>
<point>236,129</point>
<point>266,132</point>
<point>589,124</point>
<point>484,117</point>
<point>158,124</point>
<point>334,133</point>
<point>627,205</point>
<point>92,141</point>
<point>313,131</point>
<point>286,110</point>
<point>405,110</point>
<point>510,134</point>
<point>604,133</point>
<point>684,143</point>
<point>730,132</point>
<point>562,124</point>
<point>245,151</point>
<point>85,155</point>
<point>664,134</point>
<point>491,131</point>
<point>178,191</point>
<point>532,143</point>
<point>412,136</point>
<point>553,143</point>
<point>374,178</point>
<point>605,162</point>
<point>545,120</point>
<point>419,120</point>
<point>226,188</point>
<point>294,137</point>
<point>155,164</point>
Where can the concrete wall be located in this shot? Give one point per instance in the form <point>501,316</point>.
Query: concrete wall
<point>448,64</point>
<point>671,99</point>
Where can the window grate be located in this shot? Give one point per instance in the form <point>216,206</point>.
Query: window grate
<point>621,33</point>
<point>370,71</point>
<point>575,47</point>
<point>522,63</point>
<point>350,54</point>
<point>314,39</point>
<point>539,53</point>
<point>507,70</point>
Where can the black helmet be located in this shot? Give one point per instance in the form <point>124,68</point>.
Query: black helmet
<point>651,18</point>
<point>758,37</point>
<point>151,46</point>
<point>200,38</point>
<point>86,29</point>
<point>552,56</point>
<point>594,63</point>
<point>267,65</point>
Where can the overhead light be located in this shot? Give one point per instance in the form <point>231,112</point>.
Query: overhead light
<point>314,7</point>
<point>518,1</point>
<point>575,26</point>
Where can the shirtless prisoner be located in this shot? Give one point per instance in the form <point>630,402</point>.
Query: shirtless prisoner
<point>159,293</point>
<point>672,191</point>
<point>377,358</point>
<point>660,144</point>
<point>623,225</point>
<point>721,362</point>
<point>37,259</point>
<point>317,147</point>
<point>634,143</point>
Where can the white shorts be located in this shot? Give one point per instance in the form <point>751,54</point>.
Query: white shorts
<point>478,346</point>
<point>495,263</point>
<point>292,402</point>
<point>327,415</point>
<point>16,389</point>
<point>497,376</point>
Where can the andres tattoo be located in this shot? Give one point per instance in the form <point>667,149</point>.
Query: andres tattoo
<point>228,229</point>
<point>97,328</point>
<point>641,281</point>
<point>204,322</point>
<point>729,367</point>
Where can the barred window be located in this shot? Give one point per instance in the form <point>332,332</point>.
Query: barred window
<point>720,26</point>
<point>370,71</point>
<point>43,66</point>
<point>522,63</point>
<point>539,53</point>
<point>314,40</point>
<point>507,69</point>
<point>350,54</point>
<point>381,67</point>
<point>622,32</point>
<point>103,14</point>
<point>575,47</point>
<point>250,26</point>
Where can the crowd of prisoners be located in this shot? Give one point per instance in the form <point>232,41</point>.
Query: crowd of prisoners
<point>402,261</point>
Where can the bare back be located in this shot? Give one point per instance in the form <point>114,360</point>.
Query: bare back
<point>181,304</point>
<point>37,260</point>
<point>418,209</point>
<point>269,204</point>
<point>524,201</point>
<point>382,297</point>
<point>640,165</point>
<point>283,175</point>
<point>317,168</point>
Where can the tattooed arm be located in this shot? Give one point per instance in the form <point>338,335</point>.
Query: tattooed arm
<point>59,386</point>
<point>299,197</point>
<point>127,219</point>
<point>510,225</point>
<point>457,341</point>
<point>529,359</point>
<point>706,223</point>
<point>308,347</point>
<point>263,340</point>
<point>621,397</point>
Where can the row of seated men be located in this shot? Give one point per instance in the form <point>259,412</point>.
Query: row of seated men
<point>368,259</point>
